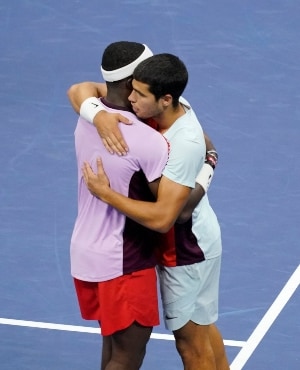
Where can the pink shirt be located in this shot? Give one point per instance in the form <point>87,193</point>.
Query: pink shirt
<point>105,244</point>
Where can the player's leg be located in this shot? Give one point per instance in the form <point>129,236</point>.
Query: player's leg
<point>217,344</point>
<point>190,301</point>
<point>194,347</point>
<point>129,348</point>
<point>206,307</point>
<point>106,351</point>
<point>129,312</point>
<point>180,289</point>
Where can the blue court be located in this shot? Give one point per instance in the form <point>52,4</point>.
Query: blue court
<point>243,58</point>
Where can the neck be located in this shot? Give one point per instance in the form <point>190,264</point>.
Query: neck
<point>118,99</point>
<point>166,119</point>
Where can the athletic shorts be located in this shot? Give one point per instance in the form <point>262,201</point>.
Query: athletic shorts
<point>120,302</point>
<point>190,293</point>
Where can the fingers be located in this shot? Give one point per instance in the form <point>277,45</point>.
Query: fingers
<point>124,119</point>
<point>107,143</point>
<point>115,144</point>
<point>89,174</point>
<point>86,172</point>
<point>100,169</point>
<point>96,182</point>
<point>90,177</point>
<point>107,125</point>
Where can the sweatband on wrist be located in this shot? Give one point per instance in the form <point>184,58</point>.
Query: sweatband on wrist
<point>213,153</point>
<point>89,108</point>
<point>211,160</point>
<point>205,176</point>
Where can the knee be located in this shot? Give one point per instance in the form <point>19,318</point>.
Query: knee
<point>184,349</point>
<point>194,351</point>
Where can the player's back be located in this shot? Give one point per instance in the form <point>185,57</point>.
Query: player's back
<point>97,245</point>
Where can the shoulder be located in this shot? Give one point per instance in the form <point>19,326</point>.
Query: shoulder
<point>186,128</point>
<point>183,101</point>
<point>142,138</point>
<point>144,130</point>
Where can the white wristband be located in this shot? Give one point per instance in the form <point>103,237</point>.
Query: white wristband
<point>89,108</point>
<point>205,176</point>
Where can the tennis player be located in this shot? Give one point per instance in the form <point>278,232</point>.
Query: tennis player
<point>112,259</point>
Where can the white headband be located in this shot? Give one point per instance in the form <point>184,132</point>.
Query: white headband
<point>126,71</point>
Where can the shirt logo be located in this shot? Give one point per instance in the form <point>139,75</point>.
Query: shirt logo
<point>170,318</point>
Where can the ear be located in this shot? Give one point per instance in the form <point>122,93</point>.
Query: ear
<point>167,100</point>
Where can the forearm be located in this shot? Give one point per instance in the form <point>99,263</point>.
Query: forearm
<point>159,215</point>
<point>208,143</point>
<point>195,197</point>
<point>78,93</point>
<point>152,215</point>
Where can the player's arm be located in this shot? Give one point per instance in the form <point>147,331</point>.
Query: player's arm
<point>159,216</point>
<point>203,181</point>
<point>153,186</point>
<point>84,100</point>
<point>208,143</point>
<point>79,92</point>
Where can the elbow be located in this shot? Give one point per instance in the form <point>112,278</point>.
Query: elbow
<point>184,216</point>
<point>163,225</point>
<point>161,219</point>
<point>163,229</point>
<point>79,92</point>
<point>71,92</point>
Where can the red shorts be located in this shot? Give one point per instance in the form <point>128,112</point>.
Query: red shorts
<point>119,302</point>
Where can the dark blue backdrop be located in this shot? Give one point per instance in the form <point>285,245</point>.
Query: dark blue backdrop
<point>243,58</point>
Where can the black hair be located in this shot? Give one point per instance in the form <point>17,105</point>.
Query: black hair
<point>165,74</point>
<point>121,53</point>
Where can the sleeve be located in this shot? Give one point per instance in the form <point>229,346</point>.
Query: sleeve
<point>155,155</point>
<point>185,160</point>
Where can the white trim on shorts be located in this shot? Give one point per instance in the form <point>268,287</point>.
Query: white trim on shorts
<point>190,293</point>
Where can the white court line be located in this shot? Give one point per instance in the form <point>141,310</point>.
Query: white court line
<point>248,347</point>
<point>267,321</point>
<point>85,329</point>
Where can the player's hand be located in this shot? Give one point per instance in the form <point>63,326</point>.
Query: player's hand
<point>107,125</point>
<point>97,183</point>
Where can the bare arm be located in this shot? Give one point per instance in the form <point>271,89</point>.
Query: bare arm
<point>159,216</point>
<point>107,124</point>
<point>209,144</point>
<point>78,93</point>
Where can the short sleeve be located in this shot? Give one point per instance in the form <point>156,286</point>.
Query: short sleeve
<point>154,156</point>
<point>186,157</point>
